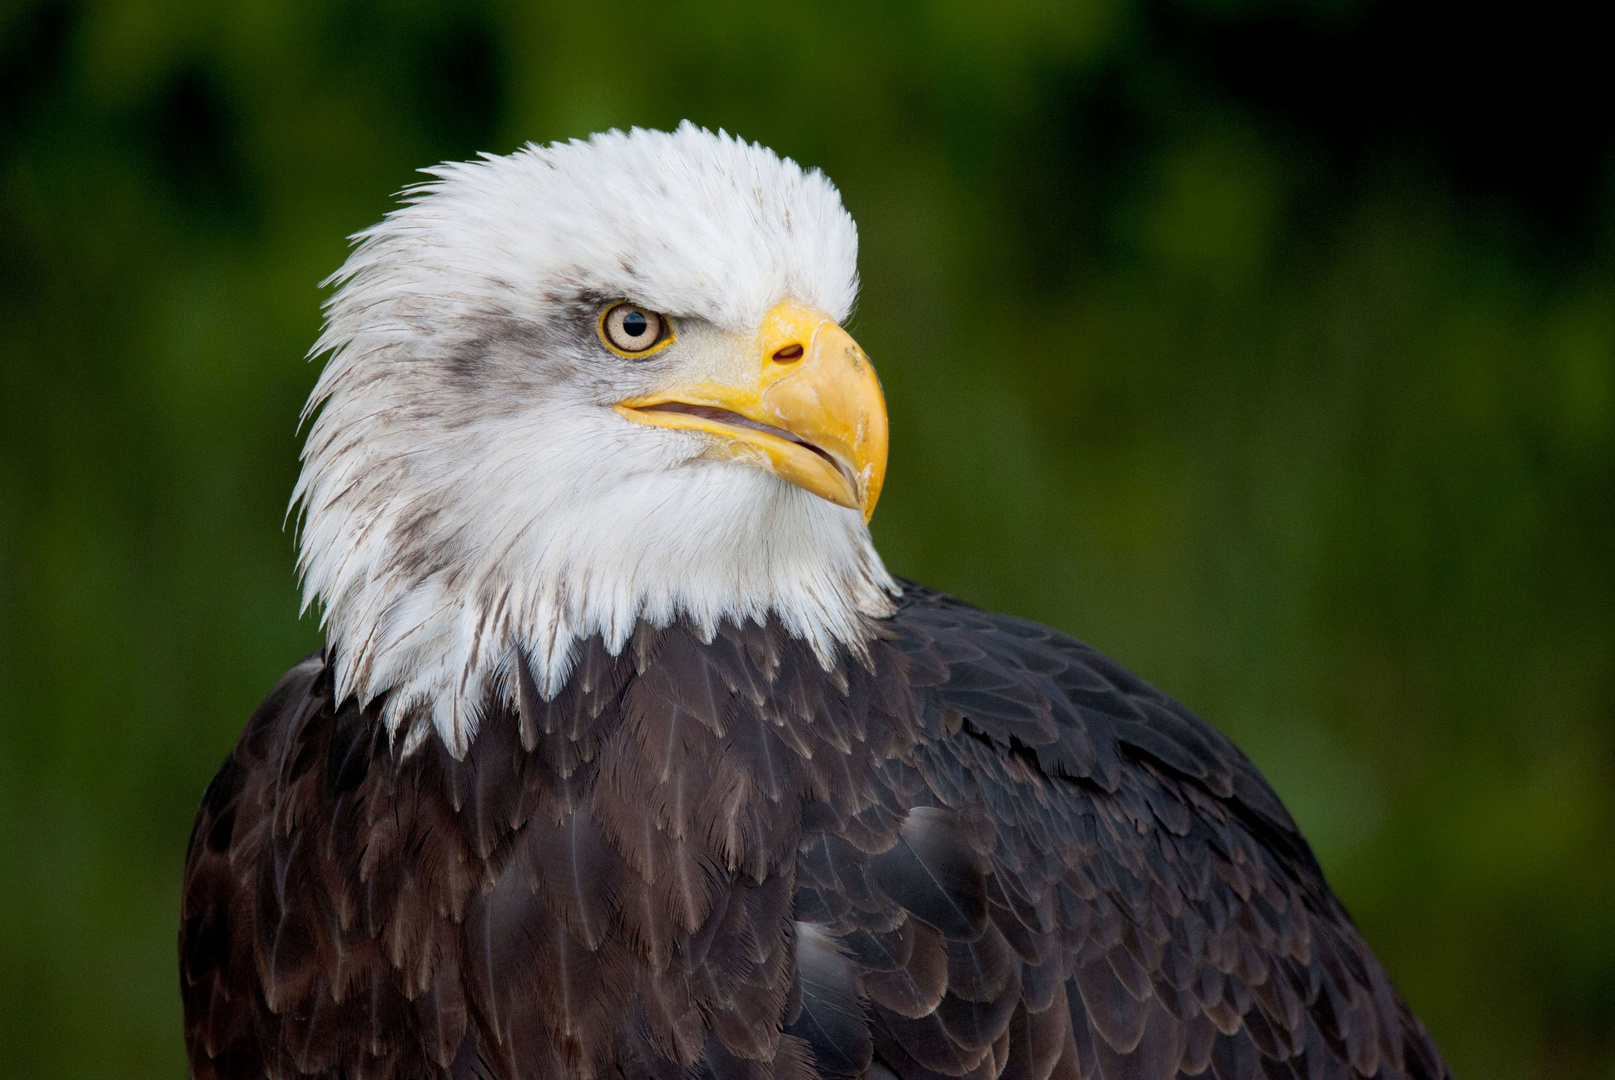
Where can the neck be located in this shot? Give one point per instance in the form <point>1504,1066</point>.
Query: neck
<point>437,625</point>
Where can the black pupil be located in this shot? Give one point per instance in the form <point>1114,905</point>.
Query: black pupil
<point>634,324</point>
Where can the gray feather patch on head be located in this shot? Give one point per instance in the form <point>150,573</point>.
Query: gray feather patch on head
<point>468,494</point>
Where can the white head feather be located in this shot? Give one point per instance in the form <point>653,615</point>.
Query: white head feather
<point>467,489</point>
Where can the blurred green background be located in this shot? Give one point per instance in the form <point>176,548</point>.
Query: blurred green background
<point>1269,347</point>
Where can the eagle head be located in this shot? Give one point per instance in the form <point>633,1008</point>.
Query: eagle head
<point>576,388</point>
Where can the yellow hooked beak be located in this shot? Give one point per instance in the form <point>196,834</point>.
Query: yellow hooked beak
<point>804,404</point>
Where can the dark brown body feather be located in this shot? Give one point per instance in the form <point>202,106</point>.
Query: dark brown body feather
<point>989,853</point>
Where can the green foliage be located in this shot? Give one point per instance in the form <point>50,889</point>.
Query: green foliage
<point>1329,453</point>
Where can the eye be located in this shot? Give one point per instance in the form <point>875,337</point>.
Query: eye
<point>630,330</point>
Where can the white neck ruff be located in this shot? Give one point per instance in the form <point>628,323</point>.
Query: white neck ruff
<point>436,618</point>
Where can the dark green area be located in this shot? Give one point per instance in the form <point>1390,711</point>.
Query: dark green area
<point>1268,347</point>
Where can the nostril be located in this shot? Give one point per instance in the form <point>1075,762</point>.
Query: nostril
<point>790,352</point>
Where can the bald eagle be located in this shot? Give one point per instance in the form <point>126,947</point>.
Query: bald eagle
<point>626,757</point>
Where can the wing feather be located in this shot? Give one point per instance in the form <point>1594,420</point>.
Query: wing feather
<point>1145,908</point>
